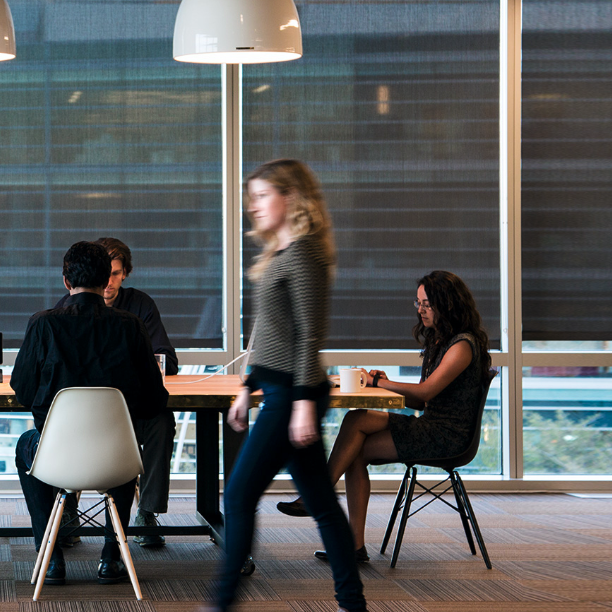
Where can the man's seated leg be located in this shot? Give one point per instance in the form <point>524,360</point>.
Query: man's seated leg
<point>156,436</point>
<point>111,568</point>
<point>39,497</point>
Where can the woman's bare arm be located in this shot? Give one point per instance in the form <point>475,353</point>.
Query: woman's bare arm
<point>457,359</point>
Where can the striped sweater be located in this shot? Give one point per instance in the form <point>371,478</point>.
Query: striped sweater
<point>292,299</point>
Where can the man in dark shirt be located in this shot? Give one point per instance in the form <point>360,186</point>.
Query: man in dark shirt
<point>83,344</point>
<point>156,436</point>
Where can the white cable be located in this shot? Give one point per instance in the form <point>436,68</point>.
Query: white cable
<point>191,382</point>
<point>246,354</point>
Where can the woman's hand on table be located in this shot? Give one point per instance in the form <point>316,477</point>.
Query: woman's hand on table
<point>238,415</point>
<point>370,376</point>
<point>303,430</point>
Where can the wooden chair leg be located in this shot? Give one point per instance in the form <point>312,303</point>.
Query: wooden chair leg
<point>399,501</point>
<point>404,518</point>
<point>43,544</point>
<point>49,547</point>
<point>472,518</point>
<point>123,545</point>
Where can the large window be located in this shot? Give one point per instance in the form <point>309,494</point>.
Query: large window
<point>396,108</point>
<point>567,420</point>
<point>566,228</point>
<point>566,173</point>
<point>102,134</point>
<point>396,105</point>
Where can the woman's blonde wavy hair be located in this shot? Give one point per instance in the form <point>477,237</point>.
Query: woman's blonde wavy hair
<point>307,211</point>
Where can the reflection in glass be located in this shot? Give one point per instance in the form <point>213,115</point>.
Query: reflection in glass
<point>104,135</point>
<point>395,106</point>
<point>566,189</point>
<point>567,420</point>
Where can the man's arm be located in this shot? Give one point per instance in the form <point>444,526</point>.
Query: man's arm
<point>159,339</point>
<point>25,378</point>
<point>153,396</point>
<point>144,307</point>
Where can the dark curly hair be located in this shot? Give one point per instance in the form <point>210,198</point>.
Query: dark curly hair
<point>118,250</point>
<point>455,313</point>
<point>87,265</point>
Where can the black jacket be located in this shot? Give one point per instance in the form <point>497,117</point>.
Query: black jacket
<point>142,305</point>
<point>86,344</point>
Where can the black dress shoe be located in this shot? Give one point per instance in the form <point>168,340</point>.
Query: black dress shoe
<point>111,572</point>
<point>56,572</point>
<point>361,555</point>
<point>294,508</point>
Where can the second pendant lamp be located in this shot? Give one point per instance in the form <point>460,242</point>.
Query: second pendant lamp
<point>237,32</point>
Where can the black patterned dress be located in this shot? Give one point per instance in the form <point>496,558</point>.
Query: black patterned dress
<point>443,429</point>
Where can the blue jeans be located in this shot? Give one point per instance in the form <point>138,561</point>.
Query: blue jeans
<point>40,496</point>
<point>265,452</point>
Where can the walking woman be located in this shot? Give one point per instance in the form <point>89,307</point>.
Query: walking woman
<point>456,362</point>
<point>292,277</point>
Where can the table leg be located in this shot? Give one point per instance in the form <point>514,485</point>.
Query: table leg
<point>207,472</point>
<point>208,491</point>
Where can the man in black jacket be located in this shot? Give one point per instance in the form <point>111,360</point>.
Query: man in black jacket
<point>83,344</point>
<point>156,436</point>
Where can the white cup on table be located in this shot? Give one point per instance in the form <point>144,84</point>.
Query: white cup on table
<point>161,362</point>
<point>352,380</point>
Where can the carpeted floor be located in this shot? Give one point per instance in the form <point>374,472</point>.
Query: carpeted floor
<point>550,553</point>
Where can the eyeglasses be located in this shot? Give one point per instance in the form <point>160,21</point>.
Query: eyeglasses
<point>418,305</point>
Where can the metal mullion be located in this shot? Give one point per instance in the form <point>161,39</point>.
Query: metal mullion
<point>556,359</point>
<point>232,179</point>
<point>389,358</point>
<point>514,380</point>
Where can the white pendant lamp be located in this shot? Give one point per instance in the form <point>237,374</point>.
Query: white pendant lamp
<point>237,32</point>
<point>7,33</point>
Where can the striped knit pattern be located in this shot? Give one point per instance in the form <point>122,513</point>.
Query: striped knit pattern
<point>292,309</point>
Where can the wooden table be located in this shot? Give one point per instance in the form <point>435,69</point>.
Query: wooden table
<point>207,399</point>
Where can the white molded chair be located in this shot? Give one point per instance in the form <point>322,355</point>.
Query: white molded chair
<point>88,443</point>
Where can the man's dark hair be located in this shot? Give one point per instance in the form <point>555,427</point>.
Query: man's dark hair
<point>87,265</point>
<point>118,250</point>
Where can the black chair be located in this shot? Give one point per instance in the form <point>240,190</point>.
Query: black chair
<point>405,495</point>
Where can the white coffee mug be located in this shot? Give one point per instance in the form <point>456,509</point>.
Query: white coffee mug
<point>352,381</point>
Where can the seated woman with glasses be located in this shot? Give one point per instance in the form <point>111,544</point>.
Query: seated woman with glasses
<point>456,362</point>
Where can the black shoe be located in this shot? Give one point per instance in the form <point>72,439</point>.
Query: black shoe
<point>144,518</point>
<point>111,572</point>
<point>56,572</point>
<point>361,555</point>
<point>294,508</point>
